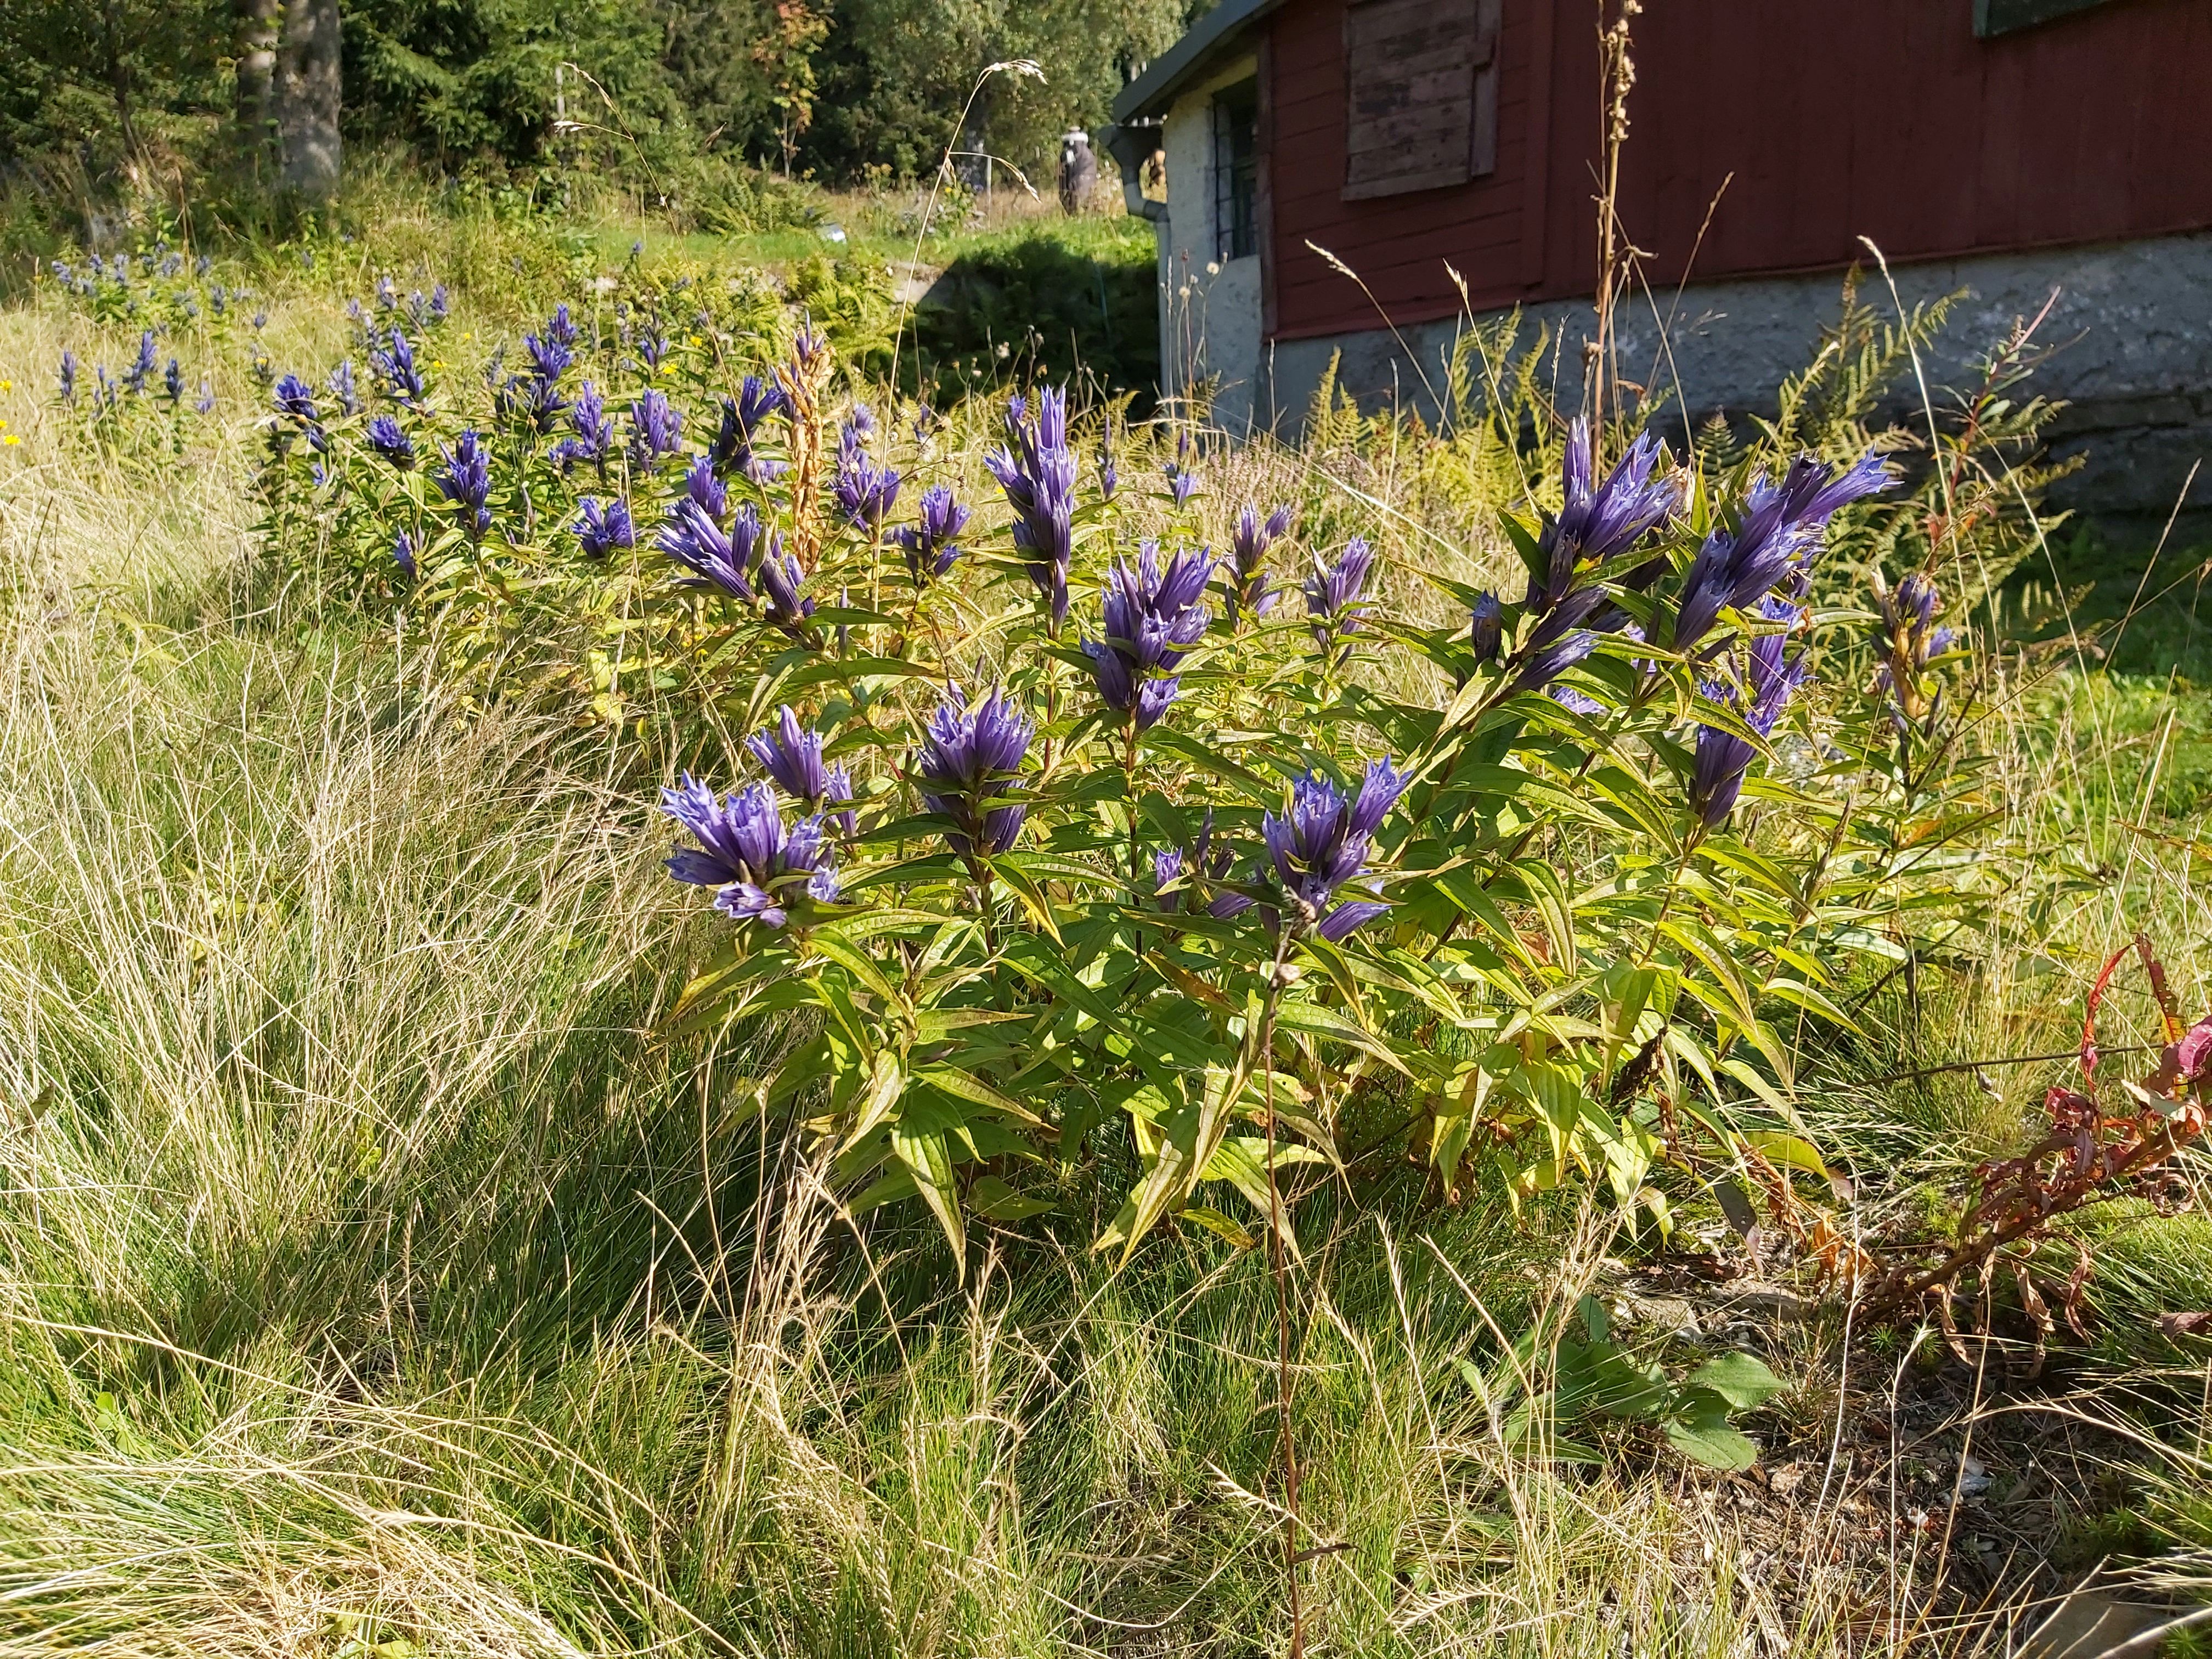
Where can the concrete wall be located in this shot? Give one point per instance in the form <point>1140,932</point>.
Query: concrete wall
<point>2134,320</point>
<point>1209,310</point>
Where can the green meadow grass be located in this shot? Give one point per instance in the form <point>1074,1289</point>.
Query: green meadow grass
<point>380,1276</point>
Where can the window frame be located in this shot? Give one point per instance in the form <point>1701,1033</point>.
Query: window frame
<point>1233,112</point>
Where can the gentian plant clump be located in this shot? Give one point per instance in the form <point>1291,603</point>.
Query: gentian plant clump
<point>1117,846</point>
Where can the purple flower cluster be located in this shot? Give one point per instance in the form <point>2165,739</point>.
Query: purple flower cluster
<point>1154,614</point>
<point>971,755</point>
<point>656,429</point>
<point>733,451</point>
<point>700,485</point>
<point>1181,878</point>
<point>465,481</point>
<point>534,396</point>
<point>792,755</point>
<point>1774,540</point>
<point>929,543</point>
<point>1321,843</point>
<point>1036,471</point>
<point>390,441</point>
<point>1598,523</point>
<point>297,410</point>
<point>1909,641</point>
<point>865,488</point>
<point>1251,594</point>
<point>394,365</point>
<point>343,393</point>
<point>761,870</point>
<point>592,432</point>
<point>141,366</point>
<point>1334,593</point>
<point>1723,756</point>
<point>604,526</point>
<point>730,562</point>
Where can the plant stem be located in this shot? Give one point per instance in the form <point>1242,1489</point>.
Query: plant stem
<point>1278,1265</point>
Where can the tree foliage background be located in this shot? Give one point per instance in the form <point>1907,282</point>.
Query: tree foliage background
<point>839,89</point>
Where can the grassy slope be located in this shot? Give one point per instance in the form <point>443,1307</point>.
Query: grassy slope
<point>372,1269</point>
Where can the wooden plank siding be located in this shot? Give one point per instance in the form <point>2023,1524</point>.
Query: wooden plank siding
<point>1887,119</point>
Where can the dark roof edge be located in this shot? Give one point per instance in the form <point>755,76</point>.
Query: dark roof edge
<point>1148,96</point>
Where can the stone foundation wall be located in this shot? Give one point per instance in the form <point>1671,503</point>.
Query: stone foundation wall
<point>2131,330</point>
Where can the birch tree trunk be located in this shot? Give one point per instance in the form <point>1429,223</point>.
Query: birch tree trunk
<point>258,23</point>
<point>306,97</point>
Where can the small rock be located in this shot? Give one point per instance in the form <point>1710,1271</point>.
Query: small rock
<point>1973,1477</point>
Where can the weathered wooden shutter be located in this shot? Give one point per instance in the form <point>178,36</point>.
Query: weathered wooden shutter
<point>1421,94</point>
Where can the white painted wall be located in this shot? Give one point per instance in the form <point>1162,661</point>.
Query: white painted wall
<point>1209,312</point>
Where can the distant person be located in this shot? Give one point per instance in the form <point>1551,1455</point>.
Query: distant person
<point>1078,172</point>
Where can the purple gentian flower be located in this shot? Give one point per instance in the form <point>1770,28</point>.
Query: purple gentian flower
<point>1321,843</point>
<point>296,404</point>
<point>1109,479</point>
<point>1554,659</point>
<point>535,393</point>
<point>729,563</point>
<point>928,542</point>
<point>971,755</point>
<point>205,402</point>
<point>1722,757</point>
<point>294,398</point>
<point>594,436</point>
<point>1487,633</point>
<point>839,789</point>
<point>1333,592</point>
<point>1598,523</point>
<point>1776,538</point>
<point>1909,639</point>
<point>1036,469</point>
<point>1183,484</point>
<point>865,489</point>
<point>656,427</point>
<point>1203,864</point>
<point>343,390</point>
<point>792,755</point>
<point>387,439</point>
<point>761,870</point>
<point>1250,592</point>
<point>465,480</point>
<point>603,526</point>
<point>172,383</point>
<point>780,581</point>
<point>69,375</point>
<point>757,402</point>
<point>406,549</point>
<point>142,366</point>
<point>1153,615</point>
<point>394,365</point>
<point>560,330</point>
<point>700,484</point>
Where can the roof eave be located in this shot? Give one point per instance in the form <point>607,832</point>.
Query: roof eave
<point>1206,43</point>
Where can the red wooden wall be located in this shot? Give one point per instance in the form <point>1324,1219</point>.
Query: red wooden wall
<point>1885,119</point>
